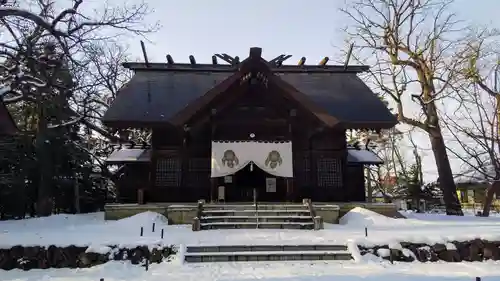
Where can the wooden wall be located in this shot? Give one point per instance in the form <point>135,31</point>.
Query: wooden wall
<point>180,169</point>
<point>132,177</point>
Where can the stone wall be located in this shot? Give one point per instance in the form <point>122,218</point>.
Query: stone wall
<point>175,213</point>
<point>121,211</point>
<point>35,257</point>
<point>386,209</point>
<point>455,251</point>
<point>328,213</point>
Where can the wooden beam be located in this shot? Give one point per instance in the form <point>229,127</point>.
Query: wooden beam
<point>302,61</point>
<point>284,59</point>
<point>255,52</point>
<point>170,60</point>
<point>227,58</point>
<point>349,53</point>
<point>273,61</point>
<point>144,54</point>
<point>230,68</point>
<point>249,122</point>
<point>192,60</point>
<point>278,61</point>
<point>324,61</point>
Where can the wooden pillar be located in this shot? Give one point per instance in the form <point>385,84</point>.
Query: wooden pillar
<point>184,163</point>
<point>291,192</point>
<point>213,188</point>
<point>140,196</point>
<point>313,173</point>
<point>152,171</point>
<point>288,191</point>
<point>369,189</point>
<point>213,181</point>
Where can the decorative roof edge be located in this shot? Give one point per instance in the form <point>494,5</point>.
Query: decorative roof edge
<point>259,141</point>
<point>187,67</point>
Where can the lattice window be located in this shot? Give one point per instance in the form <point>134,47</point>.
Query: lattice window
<point>168,172</point>
<point>329,172</point>
<point>302,170</point>
<point>199,172</point>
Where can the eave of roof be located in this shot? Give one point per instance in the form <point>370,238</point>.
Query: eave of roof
<point>233,68</point>
<point>160,92</point>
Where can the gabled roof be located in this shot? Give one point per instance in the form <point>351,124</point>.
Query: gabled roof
<point>363,156</point>
<point>254,64</point>
<point>343,95</point>
<point>168,93</point>
<point>129,155</point>
<point>155,97</point>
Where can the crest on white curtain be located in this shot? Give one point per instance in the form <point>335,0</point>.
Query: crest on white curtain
<point>230,159</point>
<point>274,158</point>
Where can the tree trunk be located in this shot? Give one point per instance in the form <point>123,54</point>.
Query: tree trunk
<point>369,188</point>
<point>45,203</point>
<point>493,189</point>
<point>77,196</point>
<point>495,186</point>
<point>446,182</point>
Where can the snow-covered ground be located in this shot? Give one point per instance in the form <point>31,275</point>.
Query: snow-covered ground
<point>91,229</point>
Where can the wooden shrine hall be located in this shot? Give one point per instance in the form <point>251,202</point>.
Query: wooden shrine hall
<point>229,132</point>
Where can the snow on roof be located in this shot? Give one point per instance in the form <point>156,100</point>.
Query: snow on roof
<point>379,194</point>
<point>129,155</point>
<point>363,156</point>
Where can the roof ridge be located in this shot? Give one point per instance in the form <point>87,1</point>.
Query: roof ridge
<point>232,68</point>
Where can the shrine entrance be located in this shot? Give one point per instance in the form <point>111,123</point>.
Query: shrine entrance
<point>250,179</point>
<point>247,169</point>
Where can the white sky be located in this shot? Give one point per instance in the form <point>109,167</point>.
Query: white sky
<point>300,28</point>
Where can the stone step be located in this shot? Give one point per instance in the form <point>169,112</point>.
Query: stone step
<point>253,225</point>
<point>264,248</point>
<point>212,213</point>
<point>267,256</point>
<point>252,207</point>
<point>208,219</point>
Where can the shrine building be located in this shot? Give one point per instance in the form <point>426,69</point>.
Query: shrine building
<point>245,130</point>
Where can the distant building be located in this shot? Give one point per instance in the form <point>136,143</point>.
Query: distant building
<point>472,186</point>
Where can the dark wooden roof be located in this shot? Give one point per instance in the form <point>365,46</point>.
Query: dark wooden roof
<point>159,92</point>
<point>7,124</point>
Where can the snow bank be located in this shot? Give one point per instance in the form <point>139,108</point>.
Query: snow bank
<point>98,249</point>
<point>360,217</point>
<point>86,230</point>
<point>145,219</point>
<point>443,217</point>
<point>418,228</point>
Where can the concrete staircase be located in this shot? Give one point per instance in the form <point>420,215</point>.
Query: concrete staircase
<point>273,216</point>
<point>244,253</point>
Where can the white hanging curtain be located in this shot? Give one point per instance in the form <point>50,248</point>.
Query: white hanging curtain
<point>230,157</point>
<point>274,157</point>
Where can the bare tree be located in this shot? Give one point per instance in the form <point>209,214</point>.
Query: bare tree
<point>414,45</point>
<point>475,131</point>
<point>386,145</point>
<point>56,57</point>
<point>401,176</point>
<point>388,149</point>
<point>475,123</point>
